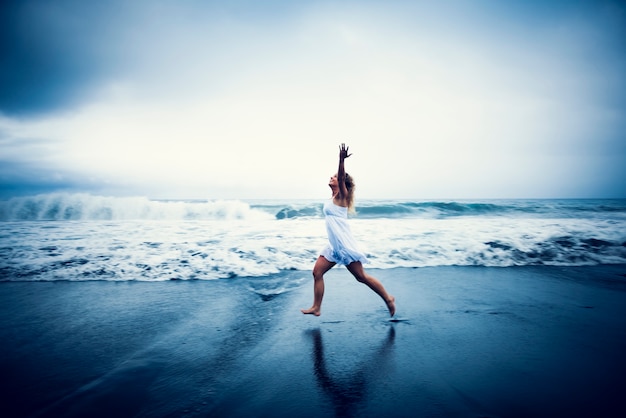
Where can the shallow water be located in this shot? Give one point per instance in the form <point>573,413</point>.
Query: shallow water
<point>523,341</point>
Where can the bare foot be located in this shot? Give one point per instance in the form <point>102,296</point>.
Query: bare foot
<point>313,311</point>
<point>391,305</point>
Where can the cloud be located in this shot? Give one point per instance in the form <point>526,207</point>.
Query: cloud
<point>439,102</point>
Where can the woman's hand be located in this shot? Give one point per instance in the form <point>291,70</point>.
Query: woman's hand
<point>343,152</point>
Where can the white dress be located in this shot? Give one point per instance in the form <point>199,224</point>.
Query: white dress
<point>342,247</point>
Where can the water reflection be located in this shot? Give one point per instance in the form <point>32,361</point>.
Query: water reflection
<point>349,389</point>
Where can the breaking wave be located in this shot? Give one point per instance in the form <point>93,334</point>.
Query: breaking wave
<point>82,206</point>
<point>450,209</point>
<point>89,237</point>
<point>79,206</point>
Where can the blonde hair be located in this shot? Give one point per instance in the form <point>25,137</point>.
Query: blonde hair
<point>349,182</point>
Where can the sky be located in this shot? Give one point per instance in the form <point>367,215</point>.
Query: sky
<point>250,100</point>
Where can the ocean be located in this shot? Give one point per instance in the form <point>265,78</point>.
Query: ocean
<point>114,306</point>
<point>77,237</point>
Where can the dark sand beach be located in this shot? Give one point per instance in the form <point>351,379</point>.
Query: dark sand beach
<point>471,341</point>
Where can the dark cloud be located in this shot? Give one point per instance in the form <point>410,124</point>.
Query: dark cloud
<point>538,85</point>
<point>54,53</point>
<point>20,179</point>
<point>51,52</point>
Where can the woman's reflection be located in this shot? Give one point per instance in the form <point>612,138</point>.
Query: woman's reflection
<point>346,392</point>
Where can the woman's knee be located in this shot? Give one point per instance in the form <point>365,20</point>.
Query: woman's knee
<point>358,272</point>
<point>361,277</point>
<point>317,274</point>
<point>321,267</point>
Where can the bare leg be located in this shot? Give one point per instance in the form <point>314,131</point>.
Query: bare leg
<point>359,273</point>
<point>322,265</point>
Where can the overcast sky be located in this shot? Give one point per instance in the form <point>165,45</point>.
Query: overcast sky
<point>250,99</point>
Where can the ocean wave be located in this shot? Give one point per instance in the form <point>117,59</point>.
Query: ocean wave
<point>83,207</point>
<point>436,209</point>
<point>300,211</point>
<point>370,209</point>
<point>214,249</point>
<point>394,209</point>
<point>234,239</point>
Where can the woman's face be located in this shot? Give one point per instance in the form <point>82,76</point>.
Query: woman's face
<point>333,180</point>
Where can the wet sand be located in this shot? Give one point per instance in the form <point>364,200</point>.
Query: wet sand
<point>469,341</point>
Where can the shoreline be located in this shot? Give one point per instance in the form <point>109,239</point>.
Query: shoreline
<point>477,341</point>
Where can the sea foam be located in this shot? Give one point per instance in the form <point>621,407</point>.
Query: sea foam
<point>79,206</point>
<point>86,237</point>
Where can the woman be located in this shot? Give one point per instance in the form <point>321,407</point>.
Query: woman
<point>342,248</point>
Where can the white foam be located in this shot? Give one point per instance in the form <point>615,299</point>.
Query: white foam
<point>80,206</point>
<point>229,239</point>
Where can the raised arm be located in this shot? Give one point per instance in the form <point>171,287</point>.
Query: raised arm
<point>341,171</point>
